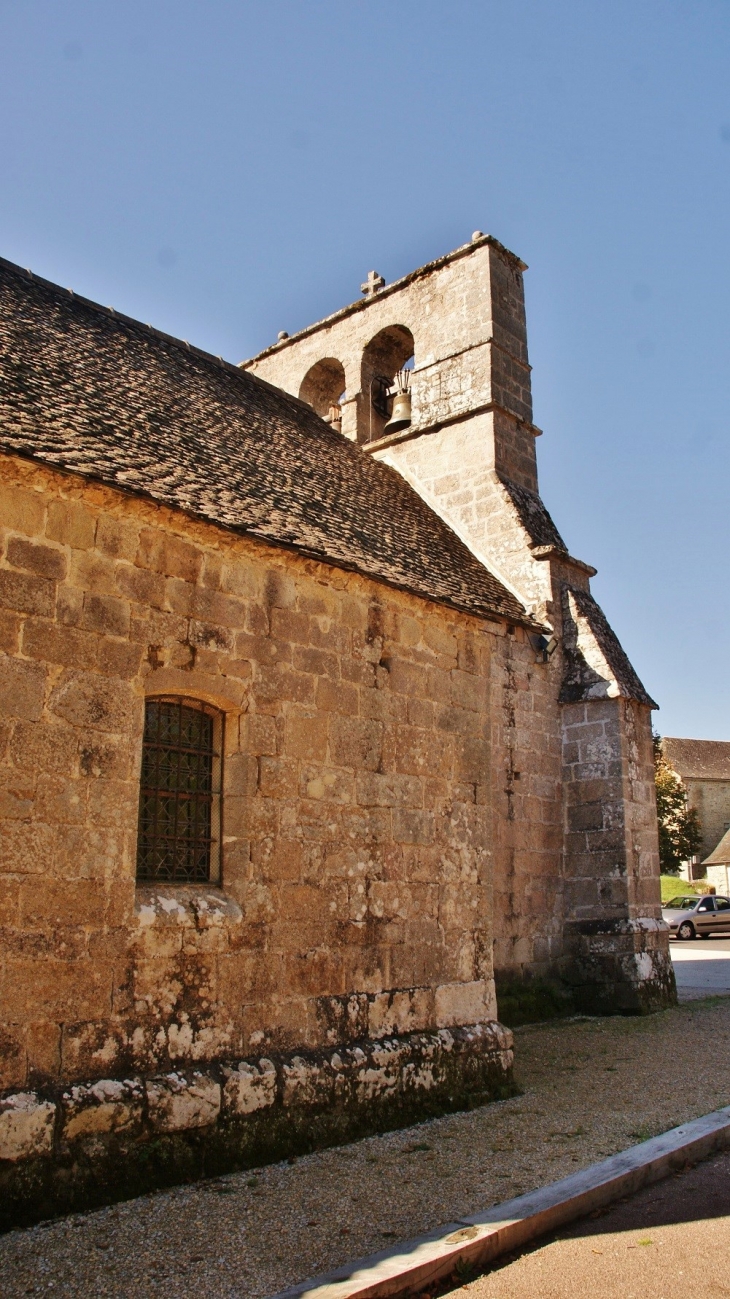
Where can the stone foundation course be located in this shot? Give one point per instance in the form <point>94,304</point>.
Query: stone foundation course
<point>95,1143</point>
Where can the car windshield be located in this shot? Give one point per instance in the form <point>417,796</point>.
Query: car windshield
<point>681,904</point>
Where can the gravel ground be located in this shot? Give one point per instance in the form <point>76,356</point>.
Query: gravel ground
<point>591,1087</point>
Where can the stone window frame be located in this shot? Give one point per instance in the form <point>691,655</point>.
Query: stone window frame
<point>214,876</point>
<point>231,697</point>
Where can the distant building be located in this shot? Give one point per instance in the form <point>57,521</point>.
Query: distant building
<point>717,865</point>
<point>703,766</point>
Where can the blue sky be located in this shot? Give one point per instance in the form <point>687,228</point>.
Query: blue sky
<point>228,169</point>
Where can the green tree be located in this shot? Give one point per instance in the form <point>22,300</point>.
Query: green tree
<point>680,833</point>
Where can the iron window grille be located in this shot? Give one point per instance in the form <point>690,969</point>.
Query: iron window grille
<point>180,793</point>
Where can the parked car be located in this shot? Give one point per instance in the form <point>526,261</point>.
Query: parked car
<point>693,917</point>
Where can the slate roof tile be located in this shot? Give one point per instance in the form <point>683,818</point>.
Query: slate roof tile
<point>698,759</point>
<point>89,390</point>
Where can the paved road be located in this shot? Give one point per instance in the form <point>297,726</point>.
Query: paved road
<point>671,1241</point>
<point>701,967</point>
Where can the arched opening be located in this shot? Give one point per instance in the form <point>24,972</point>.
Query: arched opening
<point>323,388</point>
<point>386,355</point>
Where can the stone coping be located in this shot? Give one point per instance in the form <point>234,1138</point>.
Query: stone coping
<point>409,1267</point>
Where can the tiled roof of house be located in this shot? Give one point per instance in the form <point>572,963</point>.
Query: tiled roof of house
<point>720,856</point>
<point>698,759</point>
<point>96,393</point>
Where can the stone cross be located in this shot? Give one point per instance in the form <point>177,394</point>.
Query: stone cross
<point>372,284</point>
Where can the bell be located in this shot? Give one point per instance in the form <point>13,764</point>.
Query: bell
<point>334,417</point>
<point>400,415</point>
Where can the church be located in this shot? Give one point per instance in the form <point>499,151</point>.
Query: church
<point>313,737</point>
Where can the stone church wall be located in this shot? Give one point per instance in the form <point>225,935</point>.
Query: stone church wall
<point>356,902</point>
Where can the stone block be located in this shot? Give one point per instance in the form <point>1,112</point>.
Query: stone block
<point>105,614</point>
<point>69,605</point>
<point>86,699</point>
<point>10,624</point>
<point>321,663</point>
<point>404,1010</point>
<point>175,1103</point>
<point>356,742</point>
<point>306,1083</point>
<point>411,825</point>
<point>26,1126</point>
<point>241,779</point>
<point>357,671</point>
<point>378,1074</point>
<point>305,736</point>
<point>22,510</point>
<point>336,697</point>
<point>27,593</point>
<point>314,972</point>
<point>71,524</point>
<point>276,684</point>
<point>249,1087</point>
<point>421,751</point>
<point>327,783</point>
<point>105,1106</point>
<point>119,659</point>
<point>53,643</point>
<point>34,557</point>
<point>258,734</point>
<point>117,538</point>
<point>60,801</point>
<point>26,849</point>
<point>277,777</point>
<point>408,678</point>
<point>377,790</point>
<point>14,1059</point>
<point>472,759</point>
<point>22,689</point>
<point>463,1003</point>
<point>165,553</point>
<point>142,586</point>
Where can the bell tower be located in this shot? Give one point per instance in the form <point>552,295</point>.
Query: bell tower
<point>431,375</point>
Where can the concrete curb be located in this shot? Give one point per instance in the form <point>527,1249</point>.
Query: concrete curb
<point>477,1240</point>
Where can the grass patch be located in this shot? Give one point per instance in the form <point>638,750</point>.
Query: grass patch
<point>674,887</point>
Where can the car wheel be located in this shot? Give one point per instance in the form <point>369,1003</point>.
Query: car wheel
<point>687,930</point>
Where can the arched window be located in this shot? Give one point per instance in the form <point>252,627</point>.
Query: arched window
<point>179,835</point>
<point>323,388</point>
<point>388,352</point>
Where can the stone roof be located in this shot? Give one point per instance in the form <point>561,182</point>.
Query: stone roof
<point>720,856</point>
<point>93,392</point>
<point>698,759</point>
<point>595,663</point>
<point>533,516</point>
